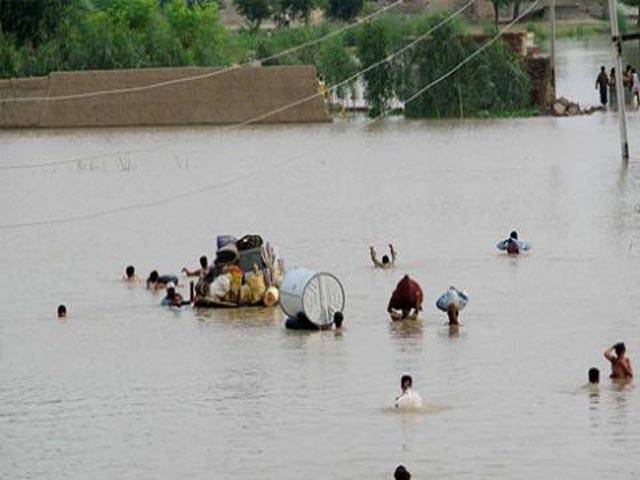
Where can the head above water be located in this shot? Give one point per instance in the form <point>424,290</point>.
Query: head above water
<point>620,348</point>
<point>171,292</point>
<point>513,235</point>
<point>594,375</point>
<point>204,263</point>
<point>401,473</point>
<point>385,259</point>
<point>130,271</point>
<point>406,382</point>
<point>153,277</point>
<point>338,318</point>
<point>62,311</point>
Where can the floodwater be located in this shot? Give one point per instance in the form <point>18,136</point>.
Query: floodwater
<point>125,389</point>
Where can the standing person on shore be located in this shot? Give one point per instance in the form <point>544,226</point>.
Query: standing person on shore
<point>602,83</point>
<point>626,77</point>
<point>613,95</point>
<point>635,86</point>
<point>620,364</point>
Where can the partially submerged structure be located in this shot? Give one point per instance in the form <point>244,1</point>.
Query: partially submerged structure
<point>163,96</point>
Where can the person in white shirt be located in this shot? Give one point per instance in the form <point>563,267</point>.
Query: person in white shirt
<point>635,85</point>
<point>408,399</point>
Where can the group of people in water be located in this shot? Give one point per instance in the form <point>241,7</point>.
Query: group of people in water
<point>606,84</point>
<point>406,303</point>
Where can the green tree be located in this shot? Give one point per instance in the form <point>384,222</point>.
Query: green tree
<point>30,21</point>
<point>336,64</point>
<point>303,8</point>
<point>496,10</point>
<point>372,48</point>
<point>345,10</point>
<point>255,11</point>
<point>133,14</point>
<point>635,4</point>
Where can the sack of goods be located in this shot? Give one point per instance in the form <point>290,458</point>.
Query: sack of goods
<point>247,272</point>
<point>452,296</point>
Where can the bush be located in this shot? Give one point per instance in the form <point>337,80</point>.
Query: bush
<point>494,81</point>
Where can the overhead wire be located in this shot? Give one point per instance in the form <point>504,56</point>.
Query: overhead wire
<point>260,117</point>
<point>190,193</point>
<point>215,73</point>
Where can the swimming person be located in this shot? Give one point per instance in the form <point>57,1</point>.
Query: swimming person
<point>408,399</point>
<point>512,245</point>
<point>173,298</point>
<point>130,275</point>
<point>338,318</point>
<point>594,376</point>
<point>62,311</point>
<point>300,322</point>
<point>158,282</point>
<point>406,298</point>
<point>386,262</point>
<point>199,272</point>
<point>602,83</point>
<point>401,473</point>
<point>620,364</point>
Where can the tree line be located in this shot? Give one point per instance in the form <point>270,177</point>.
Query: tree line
<point>55,35</point>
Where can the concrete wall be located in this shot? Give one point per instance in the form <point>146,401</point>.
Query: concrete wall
<point>228,98</point>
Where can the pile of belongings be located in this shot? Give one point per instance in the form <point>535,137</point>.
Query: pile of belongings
<point>246,272</point>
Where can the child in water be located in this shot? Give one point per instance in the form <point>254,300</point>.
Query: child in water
<point>408,399</point>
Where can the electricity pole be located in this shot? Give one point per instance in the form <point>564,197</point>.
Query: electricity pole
<point>552,20</point>
<point>616,43</point>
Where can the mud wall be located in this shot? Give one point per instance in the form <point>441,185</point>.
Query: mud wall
<point>543,91</point>
<point>231,97</point>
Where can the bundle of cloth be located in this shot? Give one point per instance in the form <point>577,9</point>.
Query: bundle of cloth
<point>406,300</point>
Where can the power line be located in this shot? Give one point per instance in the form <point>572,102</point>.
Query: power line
<point>205,75</point>
<point>477,52</point>
<point>266,115</point>
<point>190,193</point>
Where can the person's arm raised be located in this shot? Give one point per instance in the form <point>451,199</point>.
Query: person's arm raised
<point>608,354</point>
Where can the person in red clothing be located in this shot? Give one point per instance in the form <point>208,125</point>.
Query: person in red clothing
<point>406,298</point>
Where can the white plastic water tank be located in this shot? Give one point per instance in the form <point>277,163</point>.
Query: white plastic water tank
<point>318,295</point>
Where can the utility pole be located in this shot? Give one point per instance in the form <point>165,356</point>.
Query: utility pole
<point>552,20</point>
<point>616,43</point>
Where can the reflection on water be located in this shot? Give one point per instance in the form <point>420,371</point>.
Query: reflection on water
<point>126,389</point>
<point>406,328</point>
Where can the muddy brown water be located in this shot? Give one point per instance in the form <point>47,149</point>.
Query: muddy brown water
<point>126,389</point>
